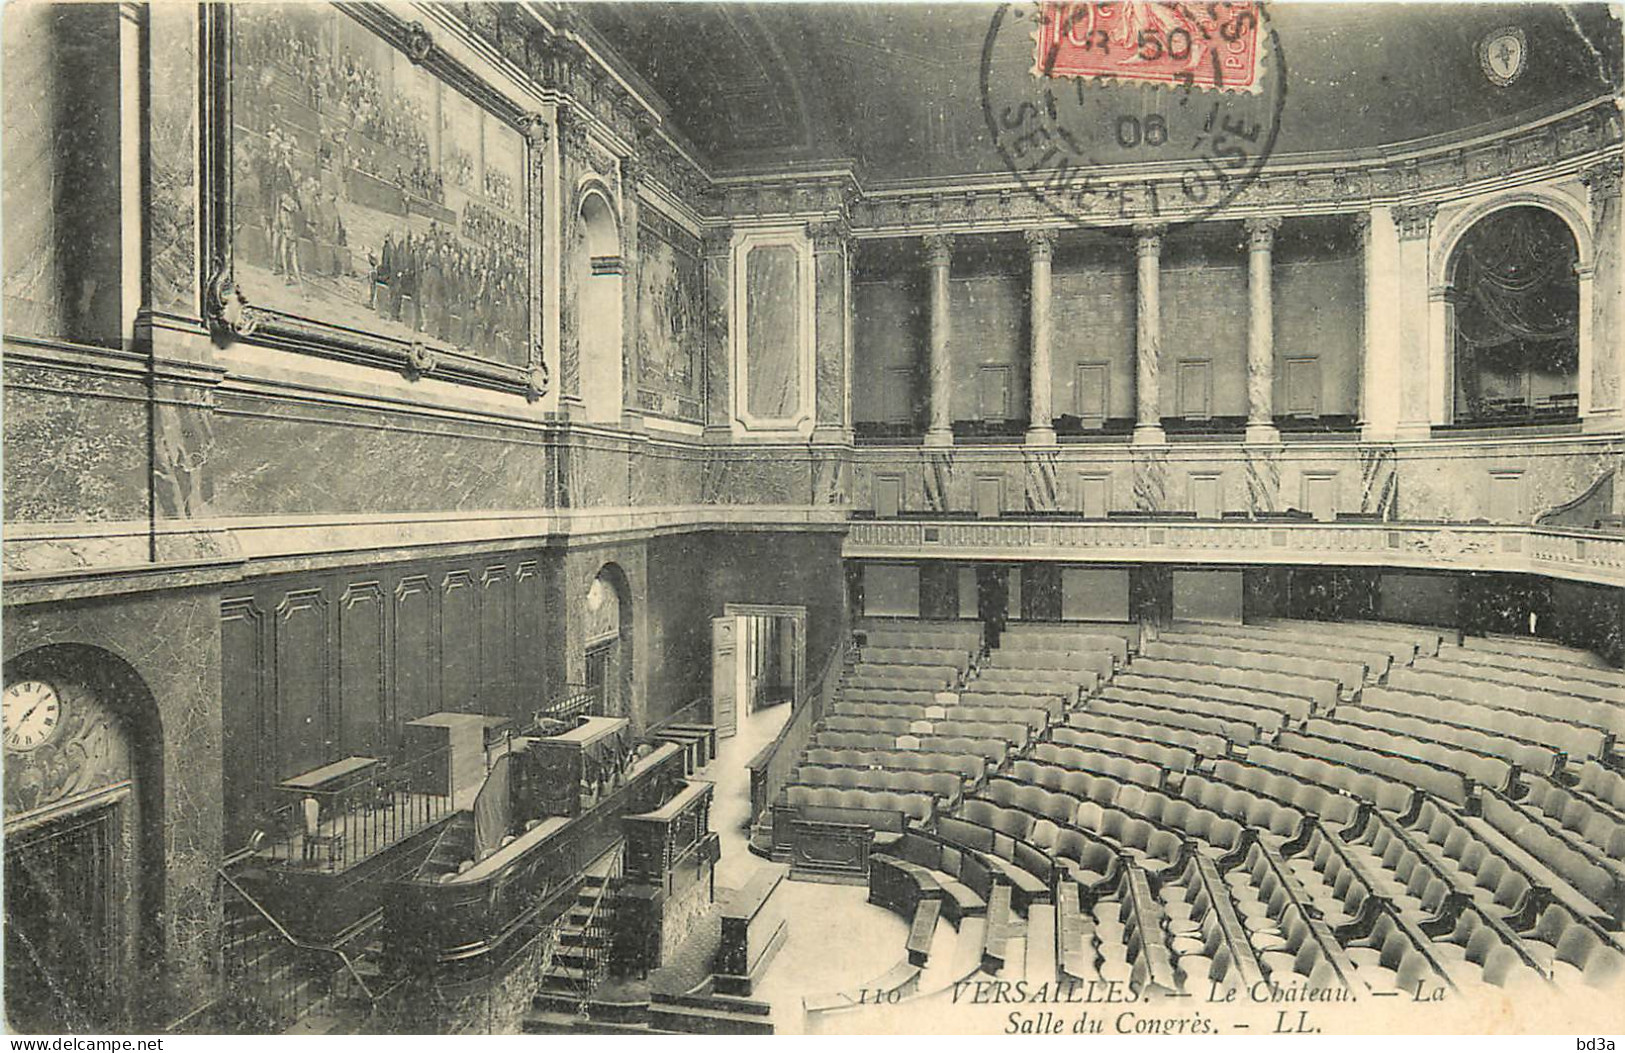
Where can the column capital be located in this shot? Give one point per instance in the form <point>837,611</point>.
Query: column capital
<point>1040,242</point>
<point>717,241</point>
<point>1148,238</point>
<point>829,235</point>
<point>939,249</point>
<point>1603,180</point>
<point>1361,222</point>
<point>1261,231</point>
<point>1414,221</point>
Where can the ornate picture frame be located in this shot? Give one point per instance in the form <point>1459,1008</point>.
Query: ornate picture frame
<point>318,236</point>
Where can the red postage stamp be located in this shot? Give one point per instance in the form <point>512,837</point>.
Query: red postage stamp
<point>1202,45</point>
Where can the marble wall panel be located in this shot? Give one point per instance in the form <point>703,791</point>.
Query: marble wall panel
<point>171,641</point>
<point>62,174</point>
<point>277,459</point>
<point>172,158</point>
<point>75,446</point>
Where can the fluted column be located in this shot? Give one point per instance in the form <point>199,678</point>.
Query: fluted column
<point>939,250</point>
<point>1148,334</point>
<point>1041,410</point>
<point>1261,330</point>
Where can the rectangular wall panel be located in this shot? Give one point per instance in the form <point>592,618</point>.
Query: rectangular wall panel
<point>303,737</point>
<point>243,646</point>
<point>459,643</point>
<point>1089,594</point>
<point>363,723</point>
<point>530,631</point>
<point>417,687</point>
<point>1207,596</point>
<point>891,589</point>
<point>496,641</point>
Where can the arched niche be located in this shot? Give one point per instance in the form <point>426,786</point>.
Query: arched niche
<point>84,831</point>
<point>1515,318</point>
<point>600,318</point>
<point>1445,294</point>
<point>607,639</point>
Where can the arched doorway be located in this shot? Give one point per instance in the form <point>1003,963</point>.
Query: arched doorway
<point>1514,297</point>
<point>600,318</point>
<point>84,838</point>
<point>608,640</point>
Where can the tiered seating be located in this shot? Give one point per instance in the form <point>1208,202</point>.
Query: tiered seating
<point>965,635</point>
<point>968,766</point>
<point>1530,756</point>
<point>1346,675</point>
<point>1578,812</point>
<point>1374,659</point>
<point>1575,740</point>
<point>1488,770</point>
<point>1421,640</point>
<point>1119,639</point>
<point>1262,718</point>
<point>946,787</point>
<point>1229,730</point>
<point>1200,743</point>
<point>1608,716</point>
<point>1050,760</point>
<point>1291,707</point>
<point>1322,692</point>
<point>1550,680</point>
<point>1169,758</point>
<point>1575,666</point>
<point>1217,813</point>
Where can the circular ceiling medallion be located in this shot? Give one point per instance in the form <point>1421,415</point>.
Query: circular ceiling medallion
<point>1504,54</point>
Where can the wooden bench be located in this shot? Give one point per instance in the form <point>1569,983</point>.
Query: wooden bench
<point>922,930</point>
<point>997,937</point>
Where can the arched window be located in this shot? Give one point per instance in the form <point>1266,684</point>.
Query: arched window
<point>1516,300</point>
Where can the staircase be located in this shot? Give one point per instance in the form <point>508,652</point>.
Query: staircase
<point>276,983</point>
<point>582,939</point>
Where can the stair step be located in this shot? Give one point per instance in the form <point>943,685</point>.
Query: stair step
<point>542,1022</point>
<point>694,1021</point>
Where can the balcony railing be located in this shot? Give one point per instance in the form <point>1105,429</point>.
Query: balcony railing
<point>332,830</point>
<point>1583,555</point>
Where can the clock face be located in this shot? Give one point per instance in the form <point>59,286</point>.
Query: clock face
<point>32,712</point>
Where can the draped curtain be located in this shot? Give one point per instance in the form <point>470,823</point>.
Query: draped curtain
<point>1518,294</point>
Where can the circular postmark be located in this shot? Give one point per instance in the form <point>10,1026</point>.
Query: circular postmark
<point>1187,97</point>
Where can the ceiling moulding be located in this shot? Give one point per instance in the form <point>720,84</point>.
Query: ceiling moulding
<point>577,71</point>
<point>1559,144</point>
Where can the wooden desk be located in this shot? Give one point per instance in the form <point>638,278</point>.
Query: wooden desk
<point>331,778</point>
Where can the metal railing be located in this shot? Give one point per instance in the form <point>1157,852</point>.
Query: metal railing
<point>333,830</point>
<point>596,933</point>
<point>272,977</point>
<point>578,700</point>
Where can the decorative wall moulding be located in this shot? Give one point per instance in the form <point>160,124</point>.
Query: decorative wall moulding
<point>1595,558</point>
<point>330,230</point>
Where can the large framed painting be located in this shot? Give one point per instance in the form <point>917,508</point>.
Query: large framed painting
<point>373,199</point>
<point>671,304</point>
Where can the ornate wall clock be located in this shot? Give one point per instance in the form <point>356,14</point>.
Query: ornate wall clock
<point>32,714</point>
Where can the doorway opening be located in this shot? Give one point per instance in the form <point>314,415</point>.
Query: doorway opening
<point>758,660</point>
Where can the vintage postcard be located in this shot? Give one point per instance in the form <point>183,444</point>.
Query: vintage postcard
<point>812,518</point>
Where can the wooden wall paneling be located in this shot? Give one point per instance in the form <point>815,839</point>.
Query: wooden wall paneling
<point>415,650</point>
<point>529,638</point>
<point>496,641</point>
<point>459,642</point>
<point>363,696</point>
<point>243,713</point>
<point>304,734</point>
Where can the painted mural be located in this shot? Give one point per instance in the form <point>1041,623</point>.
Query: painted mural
<point>671,308</point>
<point>368,194</point>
